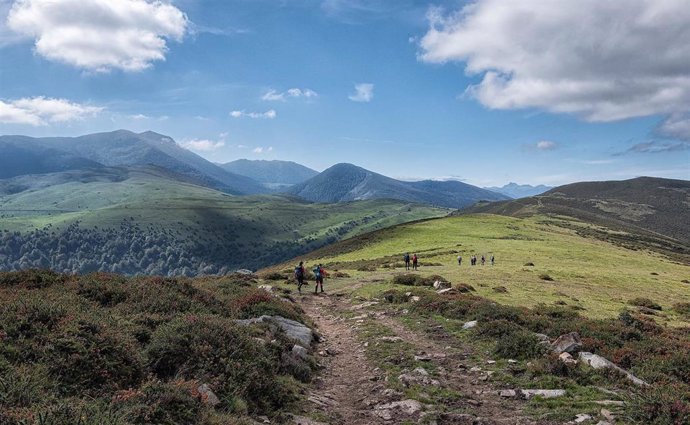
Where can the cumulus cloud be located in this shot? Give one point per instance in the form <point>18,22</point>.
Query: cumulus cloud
<point>270,114</point>
<point>203,145</point>
<point>41,110</point>
<point>546,145</point>
<point>273,95</point>
<point>364,92</point>
<point>99,35</point>
<point>599,60</point>
<point>676,126</point>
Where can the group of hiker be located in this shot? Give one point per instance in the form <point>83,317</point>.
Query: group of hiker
<point>473,260</point>
<point>414,260</point>
<point>319,274</point>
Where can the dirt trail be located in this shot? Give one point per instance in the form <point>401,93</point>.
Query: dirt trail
<point>351,390</point>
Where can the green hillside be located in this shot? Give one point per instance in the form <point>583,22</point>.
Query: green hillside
<point>597,278</point>
<point>139,220</point>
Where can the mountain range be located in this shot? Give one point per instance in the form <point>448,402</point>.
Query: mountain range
<point>517,191</point>
<point>347,182</point>
<point>272,174</point>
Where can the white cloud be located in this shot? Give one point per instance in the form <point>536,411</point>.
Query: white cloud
<point>599,60</point>
<point>270,114</point>
<point>42,110</point>
<point>273,95</point>
<point>260,149</point>
<point>364,92</point>
<point>99,35</point>
<point>203,145</point>
<point>676,126</point>
<point>546,145</point>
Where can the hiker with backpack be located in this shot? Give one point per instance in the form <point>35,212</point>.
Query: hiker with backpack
<point>414,262</point>
<point>459,260</point>
<point>492,259</point>
<point>319,274</point>
<point>483,260</point>
<point>407,261</point>
<point>299,276</point>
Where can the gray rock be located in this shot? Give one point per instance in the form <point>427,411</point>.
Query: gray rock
<point>300,352</point>
<point>567,343</point>
<point>442,284</point>
<point>207,396</point>
<point>422,358</point>
<point>567,359</point>
<point>418,376</point>
<point>582,417</point>
<point>267,288</point>
<point>415,298</point>
<point>244,272</point>
<point>469,325</point>
<point>390,339</point>
<point>597,362</point>
<point>543,339</point>
<point>447,291</point>
<point>408,407</point>
<point>292,329</point>
<point>301,420</point>
<point>528,394</point>
<point>507,393</point>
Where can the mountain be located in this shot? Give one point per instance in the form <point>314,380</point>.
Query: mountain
<point>149,220</point>
<point>653,208</point>
<point>517,191</point>
<point>347,182</point>
<point>273,174</point>
<point>125,148</point>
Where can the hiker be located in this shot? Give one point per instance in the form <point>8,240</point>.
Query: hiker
<point>319,273</point>
<point>459,260</point>
<point>492,259</point>
<point>483,260</point>
<point>299,276</point>
<point>414,262</point>
<point>407,261</point>
<point>473,260</point>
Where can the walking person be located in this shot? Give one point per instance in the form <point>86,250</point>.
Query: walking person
<point>483,260</point>
<point>459,260</point>
<point>319,274</point>
<point>492,259</point>
<point>414,262</point>
<point>407,261</point>
<point>299,276</point>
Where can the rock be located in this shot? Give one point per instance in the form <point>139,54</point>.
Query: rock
<point>457,418</point>
<point>441,284</point>
<point>390,339</point>
<point>469,325</point>
<point>300,352</point>
<point>616,403</point>
<point>292,329</point>
<point>507,393</point>
<point>422,358</point>
<point>321,400</point>
<point>267,288</point>
<point>418,376</point>
<point>582,417</point>
<point>567,359</point>
<point>447,291</point>
<point>207,396</point>
<point>608,415</point>
<point>476,369</point>
<point>491,362</point>
<point>244,272</point>
<point>408,407</point>
<point>511,361</point>
<point>604,423</point>
<point>384,414</point>
<point>415,298</point>
<point>528,394</point>
<point>543,338</point>
<point>597,362</point>
<point>567,343</point>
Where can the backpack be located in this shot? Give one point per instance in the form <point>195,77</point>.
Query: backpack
<point>299,271</point>
<point>407,258</point>
<point>317,271</point>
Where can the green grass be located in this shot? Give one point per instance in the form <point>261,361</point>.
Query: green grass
<point>597,278</point>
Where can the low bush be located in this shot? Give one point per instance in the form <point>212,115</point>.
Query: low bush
<point>32,278</point>
<point>276,276</point>
<point>411,279</point>
<point>644,302</point>
<point>518,345</point>
<point>682,309</point>
<point>546,277</point>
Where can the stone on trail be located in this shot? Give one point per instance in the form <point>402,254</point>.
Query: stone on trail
<point>507,393</point>
<point>301,420</point>
<point>567,343</point>
<point>292,329</point>
<point>408,407</point>
<point>597,362</point>
<point>469,325</point>
<point>418,376</point>
<point>528,394</point>
<point>390,339</point>
<point>582,417</point>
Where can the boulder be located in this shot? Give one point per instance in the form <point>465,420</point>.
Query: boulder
<point>582,417</point>
<point>442,284</point>
<point>567,343</point>
<point>300,352</point>
<point>597,362</point>
<point>567,359</point>
<point>207,396</point>
<point>408,407</point>
<point>415,298</point>
<point>292,329</point>
<point>528,394</point>
<point>507,393</point>
<point>267,288</point>
<point>447,291</point>
<point>469,325</point>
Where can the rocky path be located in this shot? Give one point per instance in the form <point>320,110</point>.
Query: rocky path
<point>351,390</point>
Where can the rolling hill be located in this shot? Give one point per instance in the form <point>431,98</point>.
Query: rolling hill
<point>654,209</point>
<point>272,174</point>
<point>347,182</point>
<point>516,191</point>
<point>148,220</point>
<point>122,148</point>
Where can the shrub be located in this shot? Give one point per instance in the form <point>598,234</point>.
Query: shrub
<point>644,302</point>
<point>32,278</point>
<point>546,277</point>
<point>500,289</point>
<point>410,279</point>
<point>497,329</point>
<point>682,308</point>
<point>275,276</point>
<point>176,402</point>
<point>518,345</point>
<point>103,289</point>
<point>662,405</point>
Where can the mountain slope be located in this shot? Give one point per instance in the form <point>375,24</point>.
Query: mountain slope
<point>644,205</point>
<point>125,148</point>
<point>270,172</point>
<point>517,191</point>
<point>145,220</point>
<point>347,182</point>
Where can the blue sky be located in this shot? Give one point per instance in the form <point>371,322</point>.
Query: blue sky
<point>485,91</point>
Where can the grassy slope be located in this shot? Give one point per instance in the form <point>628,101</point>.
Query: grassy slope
<point>587,273</point>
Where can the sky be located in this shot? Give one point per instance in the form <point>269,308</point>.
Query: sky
<point>483,91</point>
